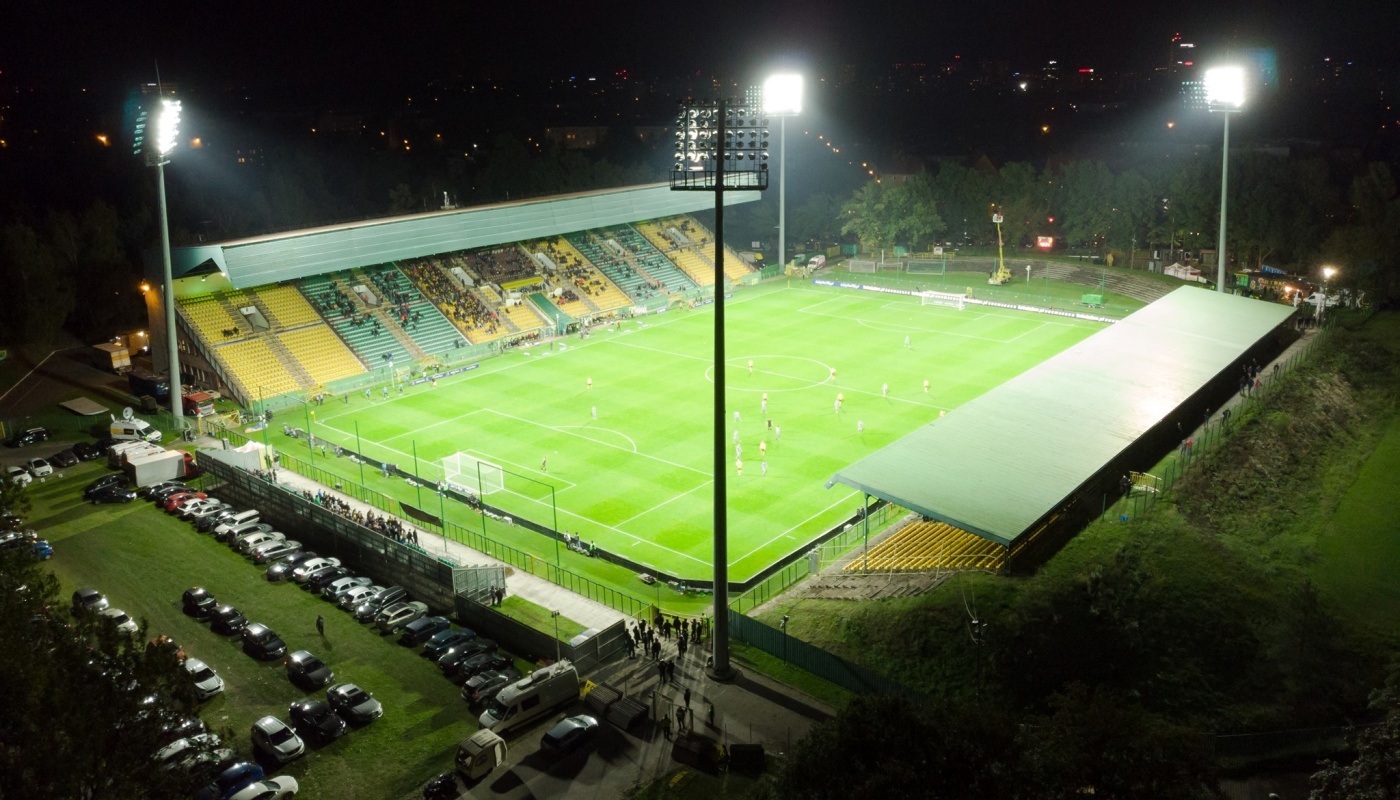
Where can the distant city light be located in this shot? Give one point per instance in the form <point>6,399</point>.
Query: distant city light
<point>102,139</point>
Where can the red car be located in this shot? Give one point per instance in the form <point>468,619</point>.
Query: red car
<point>174,501</point>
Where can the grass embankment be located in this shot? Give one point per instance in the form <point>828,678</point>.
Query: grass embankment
<point>1260,594</point>
<point>143,560</point>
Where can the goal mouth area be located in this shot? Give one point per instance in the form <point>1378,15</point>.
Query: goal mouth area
<point>944,299</point>
<point>472,473</point>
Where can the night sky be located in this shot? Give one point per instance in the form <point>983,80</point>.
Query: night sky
<point>321,49</point>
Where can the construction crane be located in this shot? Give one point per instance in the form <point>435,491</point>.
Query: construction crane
<point>1002,275</point>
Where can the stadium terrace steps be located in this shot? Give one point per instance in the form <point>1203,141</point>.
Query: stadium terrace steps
<point>592,286</point>
<point>253,363</point>
<point>284,306</point>
<point>321,354</point>
<point>921,546</point>
<point>211,319</point>
<point>431,332</point>
<point>362,339</point>
<point>432,270</point>
<point>284,354</point>
<point>735,267</point>
<point>1148,291</point>
<point>695,268</point>
<point>650,260</point>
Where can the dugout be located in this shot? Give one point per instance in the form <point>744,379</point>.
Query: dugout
<point>1027,464</point>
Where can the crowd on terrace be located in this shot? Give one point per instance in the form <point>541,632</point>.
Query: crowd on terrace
<point>501,266</point>
<point>463,305</point>
<point>386,525</point>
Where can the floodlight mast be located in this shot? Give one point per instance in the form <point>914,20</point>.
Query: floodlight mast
<point>166,124</point>
<point>1224,94</point>
<point>706,138</point>
<point>782,98</point>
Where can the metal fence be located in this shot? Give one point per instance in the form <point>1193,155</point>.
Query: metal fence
<point>819,662</point>
<point>425,576</point>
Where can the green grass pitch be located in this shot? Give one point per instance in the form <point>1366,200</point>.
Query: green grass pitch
<point>637,479</point>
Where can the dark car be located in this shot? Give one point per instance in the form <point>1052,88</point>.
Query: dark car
<point>305,669</point>
<point>27,437</point>
<point>207,524</point>
<point>158,493</point>
<point>323,577</point>
<point>198,602</point>
<point>283,569</point>
<point>64,458</point>
<point>570,733</point>
<point>483,686</point>
<point>422,629</point>
<point>112,494</point>
<point>367,610</point>
<point>87,451</point>
<point>481,662</point>
<point>111,479</point>
<point>227,620</point>
<point>230,781</point>
<point>354,703</point>
<point>442,641</point>
<point>451,659</point>
<point>316,718</point>
<point>259,641</point>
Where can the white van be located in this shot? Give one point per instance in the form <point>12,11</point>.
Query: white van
<point>532,697</point>
<point>133,430</point>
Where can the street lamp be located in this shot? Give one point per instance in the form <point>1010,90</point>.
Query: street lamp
<point>557,656</point>
<point>156,133</point>
<point>1225,94</point>
<point>1327,273</point>
<point>782,98</point>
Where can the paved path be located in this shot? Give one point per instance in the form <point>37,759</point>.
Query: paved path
<point>537,590</point>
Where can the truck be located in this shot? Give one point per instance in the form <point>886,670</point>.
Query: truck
<point>111,356</point>
<point>121,452</point>
<point>532,697</point>
<point>817,262</point>
<point>480,754</point>
<point>147,468</point>
<point>198,404</point>
<point>146,384</point>
<point>130,429</point>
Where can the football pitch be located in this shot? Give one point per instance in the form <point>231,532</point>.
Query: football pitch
<point>628,460</point>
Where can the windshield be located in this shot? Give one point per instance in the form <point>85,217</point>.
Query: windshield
<point>497,709</point>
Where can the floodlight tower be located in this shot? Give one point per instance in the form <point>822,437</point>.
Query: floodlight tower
<point>156,133</point>
<point>720,146</point>
<point>1327,273</point>
<point>782,98</point>
<point>1224,94</point>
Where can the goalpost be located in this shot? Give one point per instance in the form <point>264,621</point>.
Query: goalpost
<point>855,265</point>
<point>924,266</point>
<point>945,299</point>
<point>466,472</point>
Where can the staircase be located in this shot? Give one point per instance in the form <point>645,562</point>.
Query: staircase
<point>289,360</point>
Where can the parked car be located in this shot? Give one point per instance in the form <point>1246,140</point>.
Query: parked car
<point>367,610</point>
<point>569,734</point>
<point>193,752</point>
<point>229,534</point>
<point>305,568</point>
<point>160,492</point>
<point>207,682</point>
<point>305,669</point>
<point>27,437</point>
<point>276,552</point>
<point>259,641</point>
<point>338,587</point>
<point>38,467</point>
<point>246,544</point>
<point>483,686</point>
<point>269,545</point>
<point>112,494</point>
<point>233,779</point>
<point>119,618</point>
<point>88,600</point>
<point>41,549</point>
<point>276,739</point>
<point>87,451</point>
<point>442,641</point>
<point>178,499</point>
<point>456,655</point>
<point>190,509</point>
<point>227,620</point>
<point>354,703</point>
<point>422,629</point>
<point>393,618</point>
<point>64,459</point>
<point>288,564</point>
<point>19,476</point>
<point>208,523</point>
<point>317,581</point>
<point>481,662</point>
<point>110,479</point>
<point>199,512</point>
<point>316,718</point>
<point>198,602</point>
<point>356,595</point>
<point>278,787</point>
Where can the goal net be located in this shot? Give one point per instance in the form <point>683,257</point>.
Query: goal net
<point>923,266</point>
<point>862,266</point>
<point>945,299</point>
<point>465,473</point>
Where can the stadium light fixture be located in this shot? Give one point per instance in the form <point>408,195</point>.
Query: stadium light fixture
<point>157,132</point>
<point>782,98</point>
<point>1224,95</point>
<point>720,145</point>
<point>1327,273</point>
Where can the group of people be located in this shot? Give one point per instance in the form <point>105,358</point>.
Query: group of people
<point>502,265</point>
<point>463,306</point>
<point>647,637</point>
<point>389,526</point>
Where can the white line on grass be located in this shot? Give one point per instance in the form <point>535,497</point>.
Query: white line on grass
<point>787,532</point>
<point>658,506</point>
<point>595,441</point>
<point>604,430</point>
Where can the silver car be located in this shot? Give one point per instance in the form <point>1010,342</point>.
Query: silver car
<point>207,682</point>
<point>277,739</point>
<point>396,616</point>
<point>356,595</point>
<point>338,587</point>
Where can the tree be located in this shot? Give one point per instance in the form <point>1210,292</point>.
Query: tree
<point>45,293</point>
<point>1375,773</point>
<point>401,200</point>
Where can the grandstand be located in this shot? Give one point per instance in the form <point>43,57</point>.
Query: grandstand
<point>930,545</point>
<point>1024,482</point>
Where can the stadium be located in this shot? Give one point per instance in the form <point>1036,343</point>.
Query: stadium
<point>540,370</point>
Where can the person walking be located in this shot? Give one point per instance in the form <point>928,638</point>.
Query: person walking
<point>321,625</point>
<point>687,697</point>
